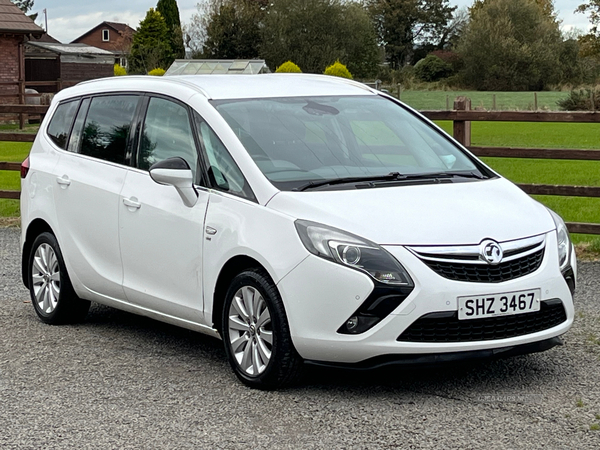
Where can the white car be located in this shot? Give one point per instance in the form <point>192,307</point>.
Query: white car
<point>300,218</point>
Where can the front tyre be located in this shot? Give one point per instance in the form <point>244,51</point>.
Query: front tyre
<point>256,333</point>
<point>52,294</point>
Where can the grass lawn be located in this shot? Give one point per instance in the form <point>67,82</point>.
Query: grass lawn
<point>523,101</point>
<point>10,180</point>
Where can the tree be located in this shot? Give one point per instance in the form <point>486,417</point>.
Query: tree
<point>170,11</point>
<point>590,43</point>
<point>511,45</point>
<point>316,33</point>
<point>547,6</point>
<point>402,23</point>
<point>151,44</point>
<point>226,29</point>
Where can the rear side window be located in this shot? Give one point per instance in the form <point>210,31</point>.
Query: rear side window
<point>107,127</point>
<point>60,124</point>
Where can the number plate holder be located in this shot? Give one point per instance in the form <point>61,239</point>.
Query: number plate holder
<point>494,305</point>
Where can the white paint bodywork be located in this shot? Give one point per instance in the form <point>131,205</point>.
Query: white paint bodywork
<point>158,260</point>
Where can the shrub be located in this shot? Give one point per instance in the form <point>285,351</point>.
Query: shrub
<point>580,100</point>
<point>120,70</point>
<point>158,72</point>
<point>288,67</point>
<point>432,68</point>
<point>337,69</point>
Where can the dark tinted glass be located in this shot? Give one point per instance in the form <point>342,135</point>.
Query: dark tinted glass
<point>60,125</point>
<point>167,133</point>
<point>75,139</point>
<point>107,127</point>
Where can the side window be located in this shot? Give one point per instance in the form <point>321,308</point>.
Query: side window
<point>107,126</point>
<point>223,172</point>
<point>60,124</point>
<point>166,133</point>
<point>75,139</point>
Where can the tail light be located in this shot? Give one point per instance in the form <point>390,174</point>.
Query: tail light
<point>25,167</point>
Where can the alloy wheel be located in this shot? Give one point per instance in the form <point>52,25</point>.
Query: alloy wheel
<point>45,275</point>
<point>250,331</point>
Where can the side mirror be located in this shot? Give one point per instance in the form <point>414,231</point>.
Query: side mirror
<point>177,173</point>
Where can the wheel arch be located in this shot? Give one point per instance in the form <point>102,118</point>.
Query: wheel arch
<point>35,228</point>
<point>230,269</point>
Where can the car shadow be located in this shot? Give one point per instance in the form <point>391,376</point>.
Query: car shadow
<point>459,379</point>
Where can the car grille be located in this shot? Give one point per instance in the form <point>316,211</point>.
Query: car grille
<point>486,273</point>
<point>467,262</point>
<point>445,326</point>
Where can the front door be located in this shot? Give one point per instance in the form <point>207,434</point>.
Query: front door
<point>161,237</point>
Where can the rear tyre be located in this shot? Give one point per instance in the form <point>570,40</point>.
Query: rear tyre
<point>256,333</point>
<point>52,294</point>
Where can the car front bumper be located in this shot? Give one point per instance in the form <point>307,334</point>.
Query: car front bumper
<point>320,296</point>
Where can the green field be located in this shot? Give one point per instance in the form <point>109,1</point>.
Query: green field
<point>13,152</point>
<point>522,101</point>
<point>501,134</point>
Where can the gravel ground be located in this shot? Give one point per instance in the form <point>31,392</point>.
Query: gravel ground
<point>121,381</point>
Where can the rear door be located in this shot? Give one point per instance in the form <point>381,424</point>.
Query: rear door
<point>89,179</point>
<point>161,237</point>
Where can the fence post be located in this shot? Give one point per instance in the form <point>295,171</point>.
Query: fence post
<point>21,86</point>
<point>462,128</point>
<point>399,91</point>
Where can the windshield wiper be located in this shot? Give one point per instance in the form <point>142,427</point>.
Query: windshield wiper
<point>392,176</point>
<point>443,175</point>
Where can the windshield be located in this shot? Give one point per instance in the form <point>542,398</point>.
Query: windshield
<point>295,141</point>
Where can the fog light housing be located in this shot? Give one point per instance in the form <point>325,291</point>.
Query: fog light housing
<point>383,300</point>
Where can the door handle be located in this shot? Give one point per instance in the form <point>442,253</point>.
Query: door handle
<point>63,181</point>
<point>131,203</point>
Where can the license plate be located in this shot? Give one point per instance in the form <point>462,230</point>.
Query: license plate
<point>494,305</point>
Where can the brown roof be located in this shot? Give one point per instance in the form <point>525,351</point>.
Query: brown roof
<point>121,28</point>
<point>47,38</point>
<point>13,20</point>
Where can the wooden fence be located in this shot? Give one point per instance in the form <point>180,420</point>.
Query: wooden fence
<point>462,116</point>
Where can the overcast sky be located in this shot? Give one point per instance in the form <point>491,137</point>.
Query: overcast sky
<point>69,19</point>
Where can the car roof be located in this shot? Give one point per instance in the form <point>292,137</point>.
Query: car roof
<point>222,87</point>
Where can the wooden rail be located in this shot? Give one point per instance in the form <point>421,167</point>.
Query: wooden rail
<point>10,166</point>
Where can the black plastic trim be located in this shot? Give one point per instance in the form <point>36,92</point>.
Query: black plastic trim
<point>379,304</point>
<point>569,276</point>
<point>446,327</point>
<point>435,359</point>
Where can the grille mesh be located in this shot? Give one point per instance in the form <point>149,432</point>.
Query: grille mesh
<point>433,328</point>
<point>485,273</point>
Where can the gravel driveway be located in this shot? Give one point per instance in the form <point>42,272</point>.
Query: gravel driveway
<point>121,381</point>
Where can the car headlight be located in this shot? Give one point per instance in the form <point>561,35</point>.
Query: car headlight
<point>352,251</point>
<point>564,241</point>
